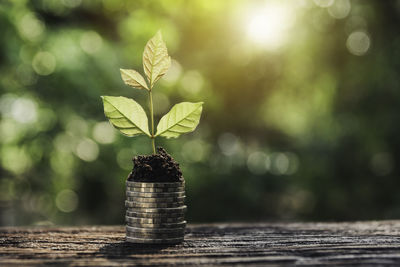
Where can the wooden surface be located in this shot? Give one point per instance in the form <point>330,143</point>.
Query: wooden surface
<point>360,243</point>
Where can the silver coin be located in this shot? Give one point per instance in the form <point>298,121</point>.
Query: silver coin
<point>155,204</point>
<point>156,189</point>
<point>171,234</point>
<point>139,214</point>
<point>170,217</point>
<point>146,223</point>
<point>150,184</point>
<point>157,226</point>
<point>159,210</point>
<point>156,212</point>
<point>156,199</point>
<point>154,235</point>
<point>154,230</point>
<point>155,219</point>
<point>154,240</point>
<point>154,195</point>
<point>132,204</point>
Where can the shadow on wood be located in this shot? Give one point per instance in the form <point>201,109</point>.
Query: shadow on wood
<point>127,250</point>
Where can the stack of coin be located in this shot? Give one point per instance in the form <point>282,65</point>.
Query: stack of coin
<point>155,212</point>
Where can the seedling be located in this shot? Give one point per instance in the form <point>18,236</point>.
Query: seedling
<point>129,117</point>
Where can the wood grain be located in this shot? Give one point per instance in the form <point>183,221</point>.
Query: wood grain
<point>358,243</point>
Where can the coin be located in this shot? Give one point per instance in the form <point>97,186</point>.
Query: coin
<point>139,194</point>
<point>155,203</point>
<point>156,199</point>
<point>156,189</point>
<point>156,226</point>
<point>154,230</point>
<point>154,240</point>
<point>167,217</point>
<point>132,204</point>
<point>148,223</point>
<point>155,235</point>
<point>141,219</point>
<point>142,184</point>
<point>159,210</point>
<point>139,214</point>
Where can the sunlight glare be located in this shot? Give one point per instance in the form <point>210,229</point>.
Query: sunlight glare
<point>268,26</point>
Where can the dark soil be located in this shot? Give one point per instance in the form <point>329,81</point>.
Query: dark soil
<point>160,167</point>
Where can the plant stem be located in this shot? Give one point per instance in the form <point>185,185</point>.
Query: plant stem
<point>154,145</point>
<point>152,122</point>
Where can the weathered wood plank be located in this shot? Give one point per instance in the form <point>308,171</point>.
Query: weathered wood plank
<point>360,243</point>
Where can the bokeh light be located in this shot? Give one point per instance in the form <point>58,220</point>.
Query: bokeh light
<point>103,133</point>
<point>91,42</point>
<point>358,43</point>
<point>67,200</point>
<point>299,121</point>
<point>24,110</point>
<point>340,9</point>
<point>258,162</point>
<point>324,3</point>
<point>44,63</point>
<point>87,150</point>
<point>30,27</point>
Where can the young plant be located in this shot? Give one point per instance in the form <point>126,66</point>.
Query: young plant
<point>128,116</point>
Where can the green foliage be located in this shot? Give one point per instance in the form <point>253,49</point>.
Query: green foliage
<point>129,117</point>
<point>126,115</point>
<point>182,118</point>
<point>134,79</point>
<point>156,61</point>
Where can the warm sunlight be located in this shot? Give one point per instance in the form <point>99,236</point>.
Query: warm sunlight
<point>268,26</point>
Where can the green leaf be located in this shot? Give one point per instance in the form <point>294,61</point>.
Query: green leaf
<point>133,78</point>
<point>182,118</point>
<point>126,115</point>
<point>156,61</point>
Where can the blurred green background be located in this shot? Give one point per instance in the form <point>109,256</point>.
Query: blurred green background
<point>301,115</point>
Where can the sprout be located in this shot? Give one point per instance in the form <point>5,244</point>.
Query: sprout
<point>129,117</point>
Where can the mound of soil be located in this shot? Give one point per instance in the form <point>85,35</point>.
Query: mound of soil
<point>160,167</point>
